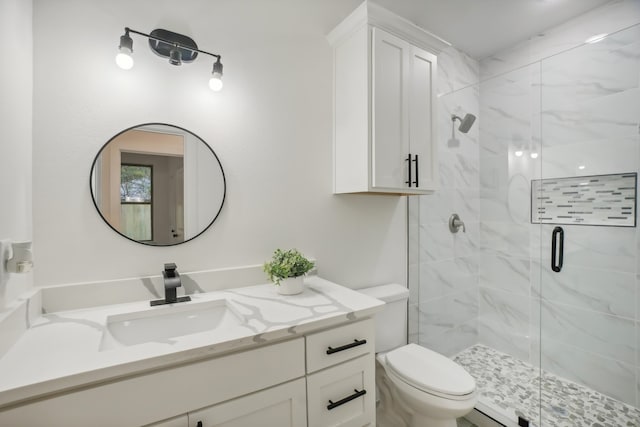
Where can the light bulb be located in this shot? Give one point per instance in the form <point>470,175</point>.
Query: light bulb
<point>124,58</point>
<point>534,155</point>
<point>215,83</point>
<point>518,153</point>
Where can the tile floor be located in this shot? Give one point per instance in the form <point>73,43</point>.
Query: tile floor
<point>512,388</point>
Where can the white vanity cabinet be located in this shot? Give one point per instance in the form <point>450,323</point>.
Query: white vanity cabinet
<point>287,384</point>
<point>384,104</point>
<point>178,391</point>
<point>279,406</point>
<point>341,376</point>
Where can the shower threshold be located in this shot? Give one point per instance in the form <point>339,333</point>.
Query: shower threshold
<point>510,388</point>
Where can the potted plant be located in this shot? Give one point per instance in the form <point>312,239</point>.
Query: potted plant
<point>286,270</point>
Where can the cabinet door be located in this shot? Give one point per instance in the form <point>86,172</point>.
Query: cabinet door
<point>343,395</point>
<point>390,110</point>
<point>422,137</point>
<point>280,406</point>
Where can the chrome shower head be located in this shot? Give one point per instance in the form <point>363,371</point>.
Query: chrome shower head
<point>466,123</point>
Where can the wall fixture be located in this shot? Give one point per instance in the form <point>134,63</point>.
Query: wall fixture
<point>15,257</point>
<point>455,223</point>
<point>176,47</point>
<point>22,259</point>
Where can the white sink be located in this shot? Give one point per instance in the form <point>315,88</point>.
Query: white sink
<point>163,323</point>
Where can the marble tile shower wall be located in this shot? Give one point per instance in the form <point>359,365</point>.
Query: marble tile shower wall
<point>510,136</point>
<point>443,276</point>
<point>579,111</point>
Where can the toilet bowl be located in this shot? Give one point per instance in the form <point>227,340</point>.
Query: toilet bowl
<point>418,387</point>
<point>433,389</point>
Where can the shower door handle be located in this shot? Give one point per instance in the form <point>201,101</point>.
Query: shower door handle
<point>557,249</point>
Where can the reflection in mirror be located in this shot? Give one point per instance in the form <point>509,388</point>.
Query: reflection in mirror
<point>158,184</point>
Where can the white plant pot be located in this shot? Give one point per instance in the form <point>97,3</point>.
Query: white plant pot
<point>290,286</point>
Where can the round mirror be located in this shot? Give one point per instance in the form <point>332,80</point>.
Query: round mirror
<point>157,184</point>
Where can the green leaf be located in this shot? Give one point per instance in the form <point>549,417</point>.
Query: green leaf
<point>284,264</point>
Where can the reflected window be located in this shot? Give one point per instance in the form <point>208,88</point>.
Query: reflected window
<point>136,202</point>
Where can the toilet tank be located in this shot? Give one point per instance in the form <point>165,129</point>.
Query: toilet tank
<point>391,322</point>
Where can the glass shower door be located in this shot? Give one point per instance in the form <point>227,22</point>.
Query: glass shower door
<point>586,296</point>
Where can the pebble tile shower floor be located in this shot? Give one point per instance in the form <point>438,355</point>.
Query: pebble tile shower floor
<point>511,387</point>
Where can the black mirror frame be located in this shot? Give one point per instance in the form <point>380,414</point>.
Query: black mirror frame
<point>93,196</point>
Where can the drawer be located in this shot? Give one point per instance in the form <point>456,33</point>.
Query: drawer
<point>339,344</point>
<point>343,395</point>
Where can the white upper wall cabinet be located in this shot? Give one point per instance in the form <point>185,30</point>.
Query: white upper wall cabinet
<point>384,104</point>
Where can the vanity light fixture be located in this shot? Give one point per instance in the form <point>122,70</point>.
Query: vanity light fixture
<point>176,47</point>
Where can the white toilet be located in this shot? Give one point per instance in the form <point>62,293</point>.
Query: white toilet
<point>416,387</point>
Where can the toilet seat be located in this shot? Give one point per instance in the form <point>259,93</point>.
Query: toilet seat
<point>430,372</point>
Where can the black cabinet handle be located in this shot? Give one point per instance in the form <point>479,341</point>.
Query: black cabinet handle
<point>408,160</point>
<point>355,343</point>
<point>557,249</point>
<point>355,395</point>
<point>417,169</point>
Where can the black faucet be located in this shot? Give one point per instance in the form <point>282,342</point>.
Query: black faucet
<point>171,283</point>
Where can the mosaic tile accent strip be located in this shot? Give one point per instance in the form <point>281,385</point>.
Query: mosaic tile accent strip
<point>511,387</point>
<point>585,200</point>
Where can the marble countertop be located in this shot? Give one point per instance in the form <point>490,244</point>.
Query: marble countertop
<point>64,350</point>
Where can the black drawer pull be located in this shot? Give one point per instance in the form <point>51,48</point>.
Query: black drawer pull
<point>355,395</point>
<point>355,343</point>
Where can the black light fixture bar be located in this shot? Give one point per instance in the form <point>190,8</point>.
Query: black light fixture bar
<point>167,44</point>
<point>173,43</point>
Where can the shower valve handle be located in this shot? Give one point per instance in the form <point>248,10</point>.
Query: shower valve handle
<point>455,223</point>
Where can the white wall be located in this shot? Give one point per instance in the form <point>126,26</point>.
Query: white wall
<point>271,127</point>
<point>15,143</point>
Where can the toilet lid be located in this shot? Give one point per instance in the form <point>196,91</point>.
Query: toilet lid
<point>430,371</point>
